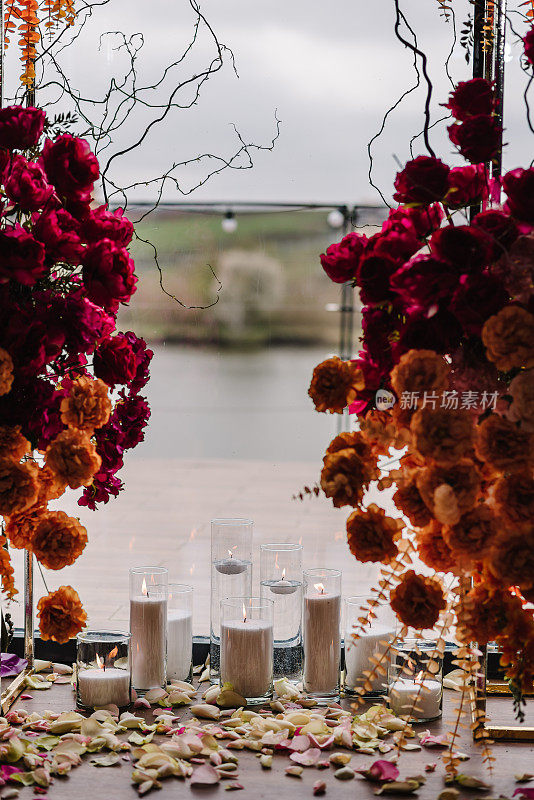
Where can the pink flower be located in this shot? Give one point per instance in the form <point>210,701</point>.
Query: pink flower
<point>471,98</point>
<point>518,185</point>
<point>123,359</point>
<point>104,486</point>
<point>70,166</point>
<point>108,274</point>
<point>478,138</point>
<point>26,185</point>
<point>422,181</point>
<point>423,281</point>
<point>340,262</point>
<point>20,128</point>
<point>21,256</point>
<point>420,222</point>
<point>59,232</point>
<point>86,324</point>
<point>467,185</point>
<point>104,224</point>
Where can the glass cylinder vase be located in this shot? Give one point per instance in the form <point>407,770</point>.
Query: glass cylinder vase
<point>247,647</point>
<point>231,575</point>
<point>102,669</point>
<point>281,582</point>
<point>372,643</point>
<point>148,627</point>
<point>180,632</point>
<point>321,622</point>
<point>415,680</point>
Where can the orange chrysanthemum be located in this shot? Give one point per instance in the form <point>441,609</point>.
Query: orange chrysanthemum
<point>72,459</point>
<point>448,492</point>
<point>511,558</point>
<point>346,475</point>
<point>522,408</point>
<point>433,550</point>
<point>350,440</point>
<point>20,528</point>
<point>508,338</point>
<point>18,486</point>
<point>12,443</point>
<point>50,486</point>
<point>61,615</point>
<point>58,540</point>
<point>6,571</point>
<point>379,428</point>
<point>408,499</point>
<point>6,372</point>
<point>335,385</point>
<point>442,435</point>
<point>484,613</point>
<point>513,498</point>
<point>471,538</point>
<point>418,600</point>
<point>87,406</point>
<point>420,371</point>
<point>502,445</point>
<point>372,536</point>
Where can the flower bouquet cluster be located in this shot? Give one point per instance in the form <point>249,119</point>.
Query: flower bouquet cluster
<point>445,384</point>
<point>64,271</point>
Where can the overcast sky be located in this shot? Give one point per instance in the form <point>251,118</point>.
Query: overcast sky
<point>329,69</point>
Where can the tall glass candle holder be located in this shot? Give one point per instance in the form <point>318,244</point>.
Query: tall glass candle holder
<point>231,575</point>
<point>180,632</point>
<point>247,647</point>
<point>102,669</point>
<point>321,624</point>
<point>372,643</point>
<point>148,626</point>
<point>415,680</point>
<point>281,582</point>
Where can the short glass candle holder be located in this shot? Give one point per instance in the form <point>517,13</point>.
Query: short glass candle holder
<point>231,575</point>
<point>415,680</point>
<point>281,582</point>
<point>180,632</point>
<point>148,627</point>
<point>321,622</point>
<point>247,647</point>
<point>373,642</point>
<point>103,669</point>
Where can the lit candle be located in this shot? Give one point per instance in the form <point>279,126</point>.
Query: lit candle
<point>104,685</point>
<point>247,656</point>
<point>424,692</point>
<point>322,641</point>
<point>230,565</point>
<point>179,644</point>
<point>358,654</point>
<point>282,586</point>
<point>148,627</point>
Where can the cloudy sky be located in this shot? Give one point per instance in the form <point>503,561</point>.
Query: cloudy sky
<point>329,71</point>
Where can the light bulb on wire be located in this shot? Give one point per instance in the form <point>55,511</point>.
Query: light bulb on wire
<point>229,222</point>
<point>336,218</point>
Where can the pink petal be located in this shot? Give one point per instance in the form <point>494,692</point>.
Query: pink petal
<point>524,791</point>
<point>26,697</point>
<point>380,770</point>
<point>308,759</point>
<point>322,745</point>
<point>141,703</point>
<point>429,740</point>
<point>204,776</point>
<point>299,743</point>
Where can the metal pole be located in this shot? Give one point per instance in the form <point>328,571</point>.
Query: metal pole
<point>346,317</point>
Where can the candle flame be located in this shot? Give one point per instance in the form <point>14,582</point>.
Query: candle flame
<point>244,613</point>
<point>99,662</point>
<point>284,574</point>
<point>319,587</point>
<point>143,588</point>
<point>113,652</point>
<point>192,569</point>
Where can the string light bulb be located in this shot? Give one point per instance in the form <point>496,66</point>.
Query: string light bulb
<point>229,222</point>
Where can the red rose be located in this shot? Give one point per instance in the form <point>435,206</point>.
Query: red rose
<point>340,262</point>
<point>471,98</point>
<point>123,359</point>
<point>440,332</point>
<point>70,166</point>
<point>467,185</point>
<point>423,282</point>
<point>373,278</point>
<point>478,138</point>
<point>132,414</point>
<point>399,245</point>
<point>85,323</point>
<point>477,298</point>
<point>378,325</point>
<point>528,42</point>
<point>465,248</point>
<point>420,222</point>
<point>108,274</point>
<point>5,161</point>
<point>500,229</point>
<point>21,256</point>
<point>59,232</point>
<point>20,128</point>
<point>26,185</point>
<point>422,181</point>
<point>518,185</point>
<point>104,224</point>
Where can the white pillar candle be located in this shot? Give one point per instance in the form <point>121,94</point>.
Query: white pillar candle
<point>100,687</point>
<point>403,694</point>
<point>322,642</point>
<point>358,653</point>
<point>247,656</point>
<point>179,644</point>
<point>148,627</point>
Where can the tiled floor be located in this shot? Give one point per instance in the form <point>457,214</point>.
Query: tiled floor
<point>163,518</point>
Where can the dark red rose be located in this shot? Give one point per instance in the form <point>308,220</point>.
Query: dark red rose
<point>21,256</point>
<point>528,41</point>
<point>70,166</point>
<point>423,282</point>
<point>420,222</point>
<point>109,446</point>
<point>143,357</point>
<point>477,298</point>
<point>478,138</point>
<point>20,128</point>
<point>108,274</point>
<point>340,262</point>
<point>399,245</point>
<point>467,185</point>
<point>465,248</point>
<point>132,413</point>
<point>123,359</point>
<point>471,98</point>
<point>104,486</point>
<point>85,323</point>
<point>440,332</point>
<point>518,185</point>
<point>378,324</point>
<point>104,224</point>
<point>373,278</point>
<point>26,185</point>
<point>60,234</point>
<point>5,161</point>
<point>422,181</point>
<point>500,229</point>
<point>32,403</point>
<point>34,336</point>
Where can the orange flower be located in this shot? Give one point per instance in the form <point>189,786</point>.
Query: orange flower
<point>20,528</point>
<point>12,443</point>
<point>484,613</point>
<point>417,600</point>
<point>72,459</point>
<point>335,385</point>
<point>371,535</point>
<point>6,571</point>
<point>50,486</point>
<point>408,499</point>
<point>433,550</point>
<point>443,435</point>
<point>6,371</point>
<point>379,428</point>
<point>503,446</point>
<point>508,337</point>
<point>18,486</point>
<point>522,408</point>
<point>88,406</point>
<point>61,615</point>
<point>448,492</point>
<point>345,476</point>
<point>58,540</point>
<point>471,538</point>
<point>350,440</point>
<point>511,558</point>
<point>420,371</point>
<point>514,500</point>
